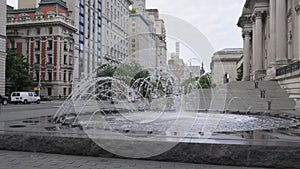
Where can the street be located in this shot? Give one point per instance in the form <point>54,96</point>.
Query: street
<point>21,111</point>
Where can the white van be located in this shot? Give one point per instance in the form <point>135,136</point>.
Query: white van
<point>25,97</point>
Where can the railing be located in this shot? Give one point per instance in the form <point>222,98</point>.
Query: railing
<point>288,69</point>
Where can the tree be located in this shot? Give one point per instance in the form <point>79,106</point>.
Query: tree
<point>106,70</point>
<point>17,70</point>
<point>203,82</point>
<point>133,11</point>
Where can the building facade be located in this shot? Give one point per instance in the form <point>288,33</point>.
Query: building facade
<point>115,33</point>
<point>161,43</point>
<point>271,34</point>
<point>23,4</point>
<point>45,36</point>
<point>2,45</point>
<point>142,42</point>
<point>88,40</point>
<point>225,64</point>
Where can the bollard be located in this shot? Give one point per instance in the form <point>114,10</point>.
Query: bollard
<point>269,104</point>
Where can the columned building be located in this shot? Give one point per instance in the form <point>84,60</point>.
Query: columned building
<point>45,36</point>
<point>2,45</point>
<point>271,34</point>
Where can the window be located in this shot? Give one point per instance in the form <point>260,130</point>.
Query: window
<point>37,59</point>
<point>50,31</point>
<point>81,46</point>
<point>65,46</point>
<point>65,76</point>
<point>49,91</point>
<point>65,59</point>
<point>70,76</point>
<point>49,59</point>
<point>81,10</point>
<point>65,91</point>
<point>81,19</point>
<point>81,28</point>
<point>38,31</point>
<point>81,2</point>
<point>49,45</point>
<point>37,75</point>
<point>50,75</point>
<point>37,45</point>
<point>81,38</point>
<point>70,60</point>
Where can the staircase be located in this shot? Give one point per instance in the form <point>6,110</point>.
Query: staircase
<point>240,96</point>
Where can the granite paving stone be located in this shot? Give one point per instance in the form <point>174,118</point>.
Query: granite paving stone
<point>30,160</point>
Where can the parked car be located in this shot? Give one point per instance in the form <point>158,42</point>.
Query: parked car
<point>25,97</point>
<point>46,98</point>
<point>4,100</point>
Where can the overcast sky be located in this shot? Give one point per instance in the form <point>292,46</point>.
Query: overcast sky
<point>215,19</point>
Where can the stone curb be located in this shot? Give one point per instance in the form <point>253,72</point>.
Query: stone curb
<point>274,156</point>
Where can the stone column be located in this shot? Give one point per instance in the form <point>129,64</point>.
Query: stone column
<point>281,32</point>
<point>246,57</point>
<point>253,48</point>
<point>258,52</point>
<point>298,28</point>
<point>272,42</point>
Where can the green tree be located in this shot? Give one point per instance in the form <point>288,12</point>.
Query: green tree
<point>203,82</point>
<point>17,70</point>
<point>142,81</point>
<point>126,72</point>
<point>133,11</point>
<point>106,70</point>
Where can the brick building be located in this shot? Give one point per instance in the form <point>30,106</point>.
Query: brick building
<point>44,35</point>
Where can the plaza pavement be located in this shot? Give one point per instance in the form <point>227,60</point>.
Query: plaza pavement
<point>28,160</point>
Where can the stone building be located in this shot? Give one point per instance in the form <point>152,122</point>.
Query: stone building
<point>115,33</point>
<point>226,62</point>
<point>23,4</point>
<point>2,45</point>
<point>45,35</point>
<point>271,33</point>
<point>161,44</point>
<point>142,42</point>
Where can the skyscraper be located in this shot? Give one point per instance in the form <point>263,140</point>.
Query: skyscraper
<point>115,15</point>
<point>88,20</point>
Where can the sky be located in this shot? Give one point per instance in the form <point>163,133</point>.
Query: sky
<point>215,19</point>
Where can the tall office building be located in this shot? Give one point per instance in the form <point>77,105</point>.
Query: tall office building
<point>161,43</point>
<point>2,45</point>
<point>87,16</point>
<point>142,42</point>
<point>115,16</point>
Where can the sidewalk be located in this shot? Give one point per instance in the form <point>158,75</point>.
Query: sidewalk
<point>26,160</point>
